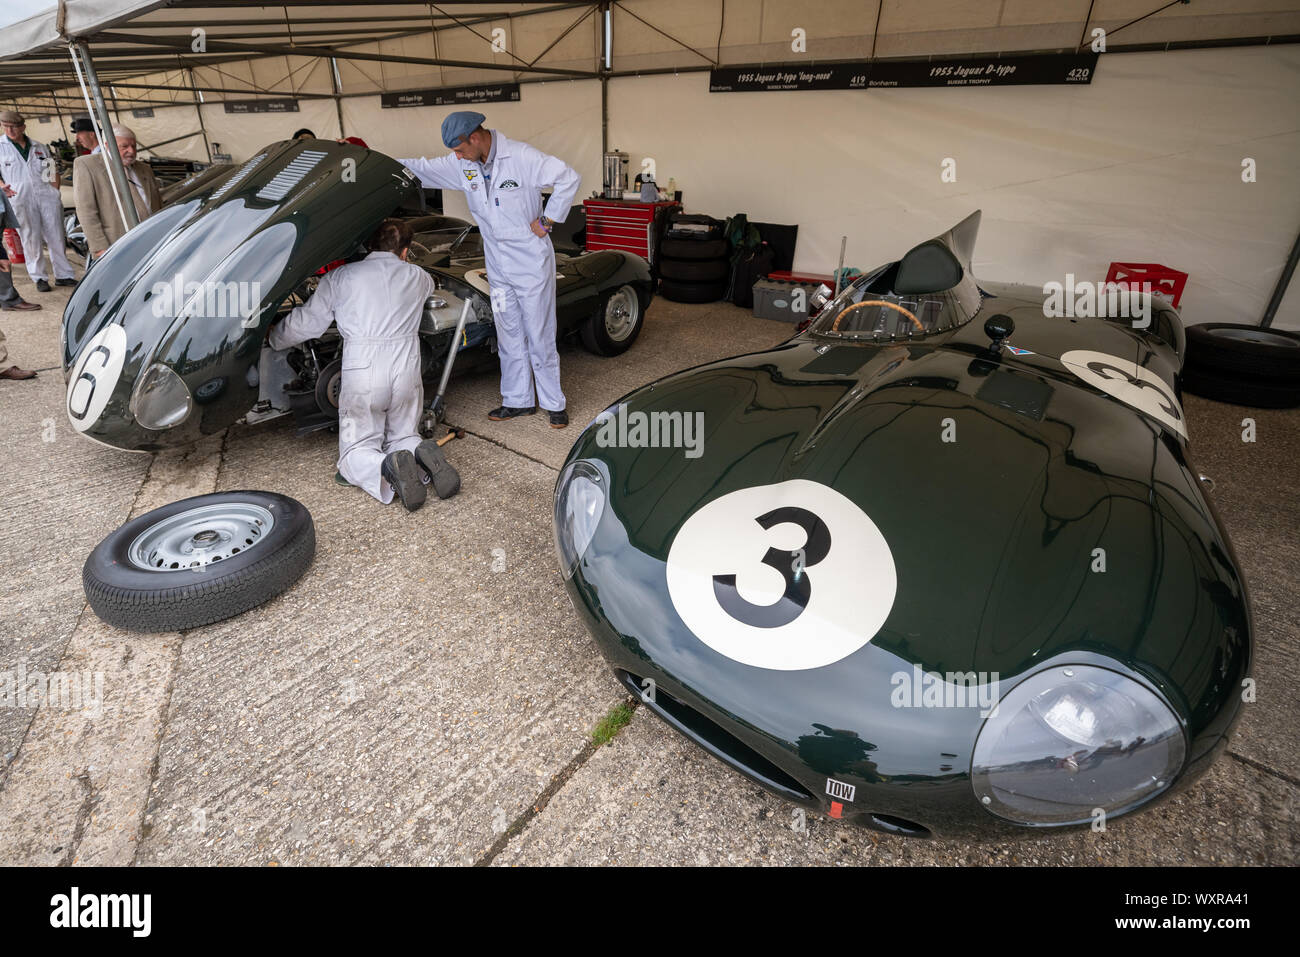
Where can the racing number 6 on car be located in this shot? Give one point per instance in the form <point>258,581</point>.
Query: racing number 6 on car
<point>95,376</point>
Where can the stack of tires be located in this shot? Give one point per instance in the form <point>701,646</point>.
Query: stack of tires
<point>694,260</point>
<point>1243,365</point>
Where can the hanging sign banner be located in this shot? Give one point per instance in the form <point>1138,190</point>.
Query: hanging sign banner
<point>261,106</point>
<point>457,96</point>
<point>1031,69</point>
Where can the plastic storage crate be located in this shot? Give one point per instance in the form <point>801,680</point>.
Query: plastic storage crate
<point>777,299</point>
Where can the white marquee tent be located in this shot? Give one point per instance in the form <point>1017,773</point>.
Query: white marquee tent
<point>1145,163</point>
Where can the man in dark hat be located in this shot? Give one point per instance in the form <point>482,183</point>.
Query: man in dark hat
<point>83,134</point>
<point>502,181</point>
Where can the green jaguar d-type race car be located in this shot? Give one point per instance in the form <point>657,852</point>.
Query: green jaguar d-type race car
<point>939,564</point>
<point>164,340</point>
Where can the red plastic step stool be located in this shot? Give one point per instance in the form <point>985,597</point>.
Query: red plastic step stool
<point>1165,282</point>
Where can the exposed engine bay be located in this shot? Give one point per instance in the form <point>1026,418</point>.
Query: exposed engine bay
<point>305,379</point>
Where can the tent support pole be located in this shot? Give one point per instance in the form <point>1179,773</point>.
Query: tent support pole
<point>174,139</point>
<point>99,113</point>
<point>338,94</point>
<point>603,69</point>
<point>198,111</point>
<point>1282,282</point>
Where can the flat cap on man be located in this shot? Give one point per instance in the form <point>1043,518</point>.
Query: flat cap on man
<point>459,125</point>
<point>83,125</point>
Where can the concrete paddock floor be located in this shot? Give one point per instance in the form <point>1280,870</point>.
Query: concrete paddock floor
<point>425,694</point>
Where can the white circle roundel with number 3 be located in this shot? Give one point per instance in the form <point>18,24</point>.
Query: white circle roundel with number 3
<point>787,577</point>
<point>1130,383</point>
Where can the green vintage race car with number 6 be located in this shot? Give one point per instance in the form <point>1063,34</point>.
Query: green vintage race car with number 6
<point>164,341</point>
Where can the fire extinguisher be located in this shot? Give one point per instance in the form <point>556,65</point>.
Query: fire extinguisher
<point>14,246</point>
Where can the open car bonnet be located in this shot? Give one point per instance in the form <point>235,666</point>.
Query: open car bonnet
<point>193,289</point>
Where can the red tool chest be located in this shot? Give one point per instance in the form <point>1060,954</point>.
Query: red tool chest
<point>622,224</point>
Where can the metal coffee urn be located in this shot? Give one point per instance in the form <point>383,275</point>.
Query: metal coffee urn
<point>615,175</point>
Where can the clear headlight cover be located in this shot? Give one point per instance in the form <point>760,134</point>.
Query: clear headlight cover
<point>1072,739</point>
<point>579,502</point>
<point>161,399</point>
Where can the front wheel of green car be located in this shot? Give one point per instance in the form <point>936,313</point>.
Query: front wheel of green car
<point>616,324</point>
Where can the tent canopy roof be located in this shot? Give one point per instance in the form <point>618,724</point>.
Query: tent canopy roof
<point>411,45</point>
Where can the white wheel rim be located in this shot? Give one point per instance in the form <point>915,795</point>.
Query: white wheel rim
<point>621,314</point>
<point>200,536</point>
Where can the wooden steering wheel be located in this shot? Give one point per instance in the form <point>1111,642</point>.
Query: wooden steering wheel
<point>835,326</point>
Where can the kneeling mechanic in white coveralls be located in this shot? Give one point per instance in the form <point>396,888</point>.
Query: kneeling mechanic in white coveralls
<point>502,180</point>
<point>377,303</point>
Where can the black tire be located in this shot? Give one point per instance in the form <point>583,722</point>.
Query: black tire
<point>126,593</point>
<point>328,384</point>
<point>1256,392</point>
<point>695,270</point>
<point>613,328</point>
<point>695,248</point>
<point>692,291</point>
<point>1247,350</point>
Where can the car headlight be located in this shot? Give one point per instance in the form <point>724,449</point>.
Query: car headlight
<point>579,502</point>
<point>161,399</point>
<point>1071,739</point>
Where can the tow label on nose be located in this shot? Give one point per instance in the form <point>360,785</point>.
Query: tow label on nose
<point>841,790</point>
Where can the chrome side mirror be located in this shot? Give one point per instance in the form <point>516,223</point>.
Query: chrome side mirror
<point>821,295</point>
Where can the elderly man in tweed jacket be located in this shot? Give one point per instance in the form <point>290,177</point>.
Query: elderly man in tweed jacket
<point>97,210</point>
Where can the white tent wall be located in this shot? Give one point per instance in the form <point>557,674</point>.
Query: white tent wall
<point>578,50</point>
<point>754,31</point>
<point>166,123</point>
<point>243,134</point>
<point>363,76</point>
<point>57,128</point>
<point>561,118</point>
<point>1143,165</point>
<point>522,39</point>
<point>283,76</point>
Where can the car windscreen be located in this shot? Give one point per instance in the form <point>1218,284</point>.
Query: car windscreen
<point>869,308</point>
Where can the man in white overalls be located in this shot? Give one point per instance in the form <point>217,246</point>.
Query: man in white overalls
<point>30,179</point>
<point>377,303</point>
<point>502,180</point>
